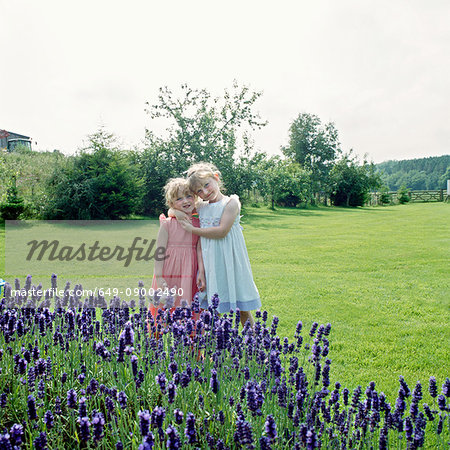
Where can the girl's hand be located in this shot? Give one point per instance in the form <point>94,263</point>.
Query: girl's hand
<point>161,283</point>
<point>179,215</point>
<point>201,281</point>
<point>186,225</point>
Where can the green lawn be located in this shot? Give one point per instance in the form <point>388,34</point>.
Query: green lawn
<point>379,275</point>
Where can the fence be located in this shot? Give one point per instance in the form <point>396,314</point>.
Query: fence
<point>438,195</point>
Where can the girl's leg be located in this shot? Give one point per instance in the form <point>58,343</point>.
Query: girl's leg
<point>247,315</point>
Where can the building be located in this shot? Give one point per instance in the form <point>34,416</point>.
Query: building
<point>10,140</point>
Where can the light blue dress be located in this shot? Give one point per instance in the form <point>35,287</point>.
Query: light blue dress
<point>227,267</point>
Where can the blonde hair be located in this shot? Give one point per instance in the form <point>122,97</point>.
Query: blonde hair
<point>173,187</point>
<point>199,172</point>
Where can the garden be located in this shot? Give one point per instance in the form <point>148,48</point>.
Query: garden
<point>350,349</point>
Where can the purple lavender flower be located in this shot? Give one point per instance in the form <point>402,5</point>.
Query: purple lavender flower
<point>147,443</point>
<point>93,386</point>
<point>144,422</point>
<point>404,386</point>
<point>264,443</point>
<point>31,379</point>
<point>441,403</point>
<point>356,396</point>
<point>446,387</point>
<point>190,431</point>
<point>157,417</point>
<point>428,412</point>
<point>173,439</point>
<point>173,367</point>
<point>41,389</point>
<point>121,349</point>
<point>313,329</point>
<point>409,429</point>
<point>440,425</point>
<point>178,414</point>
<point>53,281</point>
<point>48,419</point>
<point>326,375</point>
<point>214,382</point>
<point>32,413</point>
<point>40,443</point>
<point>383,441</point>
<point>270,428</point>
<point>3,399</point>
<point>98,422</point>
<point>85,432</point>
<point>432,388</point>
<point>82,409</point>
<point>215,300</point>
<point>71,398</point>
<point>417,393</point>
<point>122,399</point>
<point>413,410</point>
<point>274,327</point>
<point>22,366</point>
<point>264,316</point>
<point>128,334</point>
<point>161,380</point>
<point>419,431</point>
<point>16,434</point>
<point>275,363</point>
<point>311,439</point>
<point>171,392</point>
<point>134,364</point>
<point>119,445</point>
<point>57,406</point>
<point>243,434</point>
<point>255,397</point>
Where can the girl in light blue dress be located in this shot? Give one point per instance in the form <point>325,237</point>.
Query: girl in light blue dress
<point>227,267</point>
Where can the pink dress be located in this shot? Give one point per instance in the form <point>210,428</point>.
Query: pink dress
<point>180,266</point>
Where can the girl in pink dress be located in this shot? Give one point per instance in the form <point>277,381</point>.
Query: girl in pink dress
<point>181,274</point>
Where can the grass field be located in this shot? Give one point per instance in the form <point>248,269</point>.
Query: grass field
<point>379,275</point>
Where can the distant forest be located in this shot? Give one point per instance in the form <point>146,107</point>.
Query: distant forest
<point>416,174</point>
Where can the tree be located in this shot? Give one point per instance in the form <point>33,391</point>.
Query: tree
<point>283,182</point>
<point>403,195</point>
<point>314,146</point>
<point>350,182</point>
<point>14,205</point>
<point>202,128</point>
<point>98,183</point>
<point>385,197</point>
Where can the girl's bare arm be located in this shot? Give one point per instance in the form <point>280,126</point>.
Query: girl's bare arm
<point>229,215</point>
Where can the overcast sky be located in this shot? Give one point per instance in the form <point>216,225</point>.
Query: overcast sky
<point>380,70</point>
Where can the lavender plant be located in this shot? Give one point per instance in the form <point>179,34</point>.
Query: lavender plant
<point>85,374</point>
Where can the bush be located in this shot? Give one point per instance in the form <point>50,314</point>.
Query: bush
<point>98,183</point>
<point>14,205</point>
<point>385,197</point>
<point>403,195</point>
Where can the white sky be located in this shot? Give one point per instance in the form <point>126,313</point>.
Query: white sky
<point>379,69</point>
